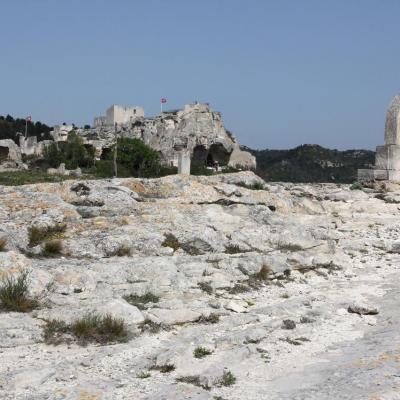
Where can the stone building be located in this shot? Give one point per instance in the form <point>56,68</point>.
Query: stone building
<point>60,132</point>
<point>119,115</point>
<point>387,158</point>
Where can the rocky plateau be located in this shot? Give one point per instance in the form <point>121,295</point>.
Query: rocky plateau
<point>290,290</point>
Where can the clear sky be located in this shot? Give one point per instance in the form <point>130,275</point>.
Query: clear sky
<point>283,72</point>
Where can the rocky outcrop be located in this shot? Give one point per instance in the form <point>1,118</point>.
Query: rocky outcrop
<point>196,128</point>
<point>244,288</point>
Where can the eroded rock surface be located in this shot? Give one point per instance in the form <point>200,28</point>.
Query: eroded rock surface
<point>227,266</point>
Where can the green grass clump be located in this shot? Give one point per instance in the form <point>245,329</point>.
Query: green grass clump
<point>143,375</point>
<point>141,301</point>
<point>171,241</point>
<point>262,274</point>
<point>205,287</point>
<point>356,186</point>
<point>52,248</point>
<point>212,318</point>
<point>227,379</point>
<point>54,330</point>
<point>200,352</point>
<point>164,369</point>
<point>3,244</point>
<point>239,288</point>
<point>38,235</point>
<point>152,327</point>
<point>14,293</point>
<point>232,249</point>
<point>252,186</point>
<point>193,380</point>
<point>91,328</point>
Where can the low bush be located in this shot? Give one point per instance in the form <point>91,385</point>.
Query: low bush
<point>152,327</point>
<point>164,369</point>
<point>200,352</point>
<point>227,379</point>
<point>356,186</point>
<point>253,186</point>
<point>193,380</point>
<point>205,287</point>
<point>3,243</point>
<point>52,248</point>
<point>171,241</point>
<point>38,235</point>
<point>141,301</point>
<point>212,318</point>
<point>232,249</point>
<point>14,293</point>
<point>263,273</point>
<point>143,375</point>
<point>87,329</point>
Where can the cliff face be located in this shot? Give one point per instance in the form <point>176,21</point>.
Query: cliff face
<point>196,127</point>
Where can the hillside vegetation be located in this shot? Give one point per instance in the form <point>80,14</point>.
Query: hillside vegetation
<point>311,163</point>
<point>9,127</point>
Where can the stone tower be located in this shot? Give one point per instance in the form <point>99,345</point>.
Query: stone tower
<point>387,158</point>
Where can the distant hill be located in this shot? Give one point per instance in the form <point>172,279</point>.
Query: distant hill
<point>311,163</point>
<point>9,127</point>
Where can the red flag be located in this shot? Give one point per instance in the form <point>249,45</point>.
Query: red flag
<point>28,119</point>
<point>163,100</point>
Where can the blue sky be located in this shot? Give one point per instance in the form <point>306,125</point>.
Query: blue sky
<point>282,72</point>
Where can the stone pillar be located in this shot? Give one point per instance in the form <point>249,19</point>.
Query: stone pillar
<point>387,158</point>
<point>184,162</point>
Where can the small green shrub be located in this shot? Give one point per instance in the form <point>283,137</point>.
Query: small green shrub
<point>193,380</point>
<point>356,186</point>
<point>38,235</point>
<point>143,375</point>
<point>54,330</point>
<point>227,379</point>
<point>89,328</point>
<point>152,327</point>
<point>212,318</point>
<point>253,186</point>
<point>14,293</point>
<point>263,273</point>
<point>239,288</point>
<point>102,329</point>
<point>3,243</point>
<point>289,247</point>
<point>141,301</point>
<point>171,241</point>
<point>164,369</point>
<point>52,248</point>
<point>205,287</point>
<point>232,249</point>
<point>201,352</point>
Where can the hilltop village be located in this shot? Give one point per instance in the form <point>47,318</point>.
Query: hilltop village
<point>196,131</point>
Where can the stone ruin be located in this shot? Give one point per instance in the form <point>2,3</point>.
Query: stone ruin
<point>387,158</point>
<point>194,133</point>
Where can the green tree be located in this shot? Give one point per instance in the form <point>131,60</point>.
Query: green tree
<point>72,152</point>
<point>138,158</point>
